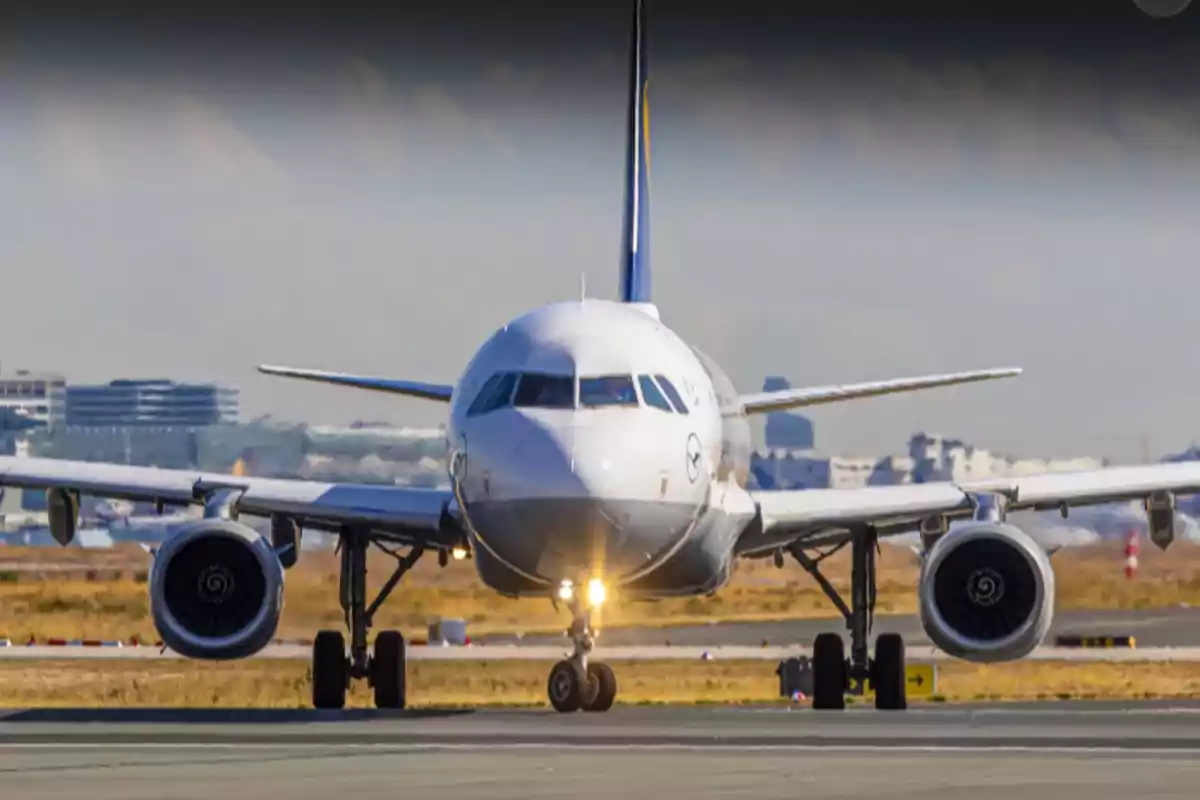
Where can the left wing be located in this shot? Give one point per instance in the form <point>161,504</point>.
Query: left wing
<point>426,391</point>
<point>409,515</point>
<point>824,516</point>
<point>815,395</point>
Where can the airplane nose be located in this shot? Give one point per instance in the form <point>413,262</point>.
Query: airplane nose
<point>562,459</point>
<point>571,498</point>
<point>605,483</point>
<point>543,459</point>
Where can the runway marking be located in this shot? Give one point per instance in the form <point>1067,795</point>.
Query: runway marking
<point>610,747</point>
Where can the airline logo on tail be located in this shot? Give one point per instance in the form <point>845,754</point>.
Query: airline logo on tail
<point>635,249</point>
<point>646,130</point>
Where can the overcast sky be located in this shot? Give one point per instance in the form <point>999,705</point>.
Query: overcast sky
<point>834,198</point>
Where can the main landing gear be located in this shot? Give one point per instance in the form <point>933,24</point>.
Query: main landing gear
<point>575,682</point>
<point>833,674</point>
<point>386,669</point>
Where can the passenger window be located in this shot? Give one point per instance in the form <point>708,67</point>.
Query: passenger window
<point>672,394</point>
<point>607,390</point>
<point>545,391</point>
<point>496,393</point>
<point>652,395</point>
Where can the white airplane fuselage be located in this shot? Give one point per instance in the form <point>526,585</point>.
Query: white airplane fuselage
<point>587,440</point>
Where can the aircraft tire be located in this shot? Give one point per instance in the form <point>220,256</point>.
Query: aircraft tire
<point>829,672</point>
<point>567,686</point>
<point>330,670</point>
<point>605,681</point>
<point>888,674</point>
<point>389,670</point>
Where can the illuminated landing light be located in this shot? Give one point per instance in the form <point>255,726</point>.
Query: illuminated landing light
<point>597,594</point>
<point>566,590</point>
<point>458,553</point>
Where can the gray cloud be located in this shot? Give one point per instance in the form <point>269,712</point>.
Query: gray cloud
<point>844,221</point>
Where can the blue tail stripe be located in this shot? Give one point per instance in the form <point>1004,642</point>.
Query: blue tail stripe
<point>635,245</point>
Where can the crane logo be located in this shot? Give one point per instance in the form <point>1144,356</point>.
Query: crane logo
<point>694,454</point>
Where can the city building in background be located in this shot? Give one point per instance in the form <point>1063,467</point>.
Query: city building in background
<point>34,397</point>
<point>929,458</point>
<point>786,430</point>
<point>29,401</point>
<point>151,403</point>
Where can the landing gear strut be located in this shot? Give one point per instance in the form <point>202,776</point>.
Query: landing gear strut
<point>833,675</point>
<point>575,683</point>
<point>386,670</point>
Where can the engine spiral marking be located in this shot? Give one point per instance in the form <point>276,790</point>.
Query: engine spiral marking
<point>985,587</point>
<point>215,584</point>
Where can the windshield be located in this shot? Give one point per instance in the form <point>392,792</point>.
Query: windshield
<point>495,394</point>
<point>672,394</point>
<point>607,390</point>
<point>652,395</point>
<point>545,391</point>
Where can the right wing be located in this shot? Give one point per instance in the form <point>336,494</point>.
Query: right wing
<point>825,516</point>
<point>814,395</point>
<point>427,391</point>
<point>409,515</point>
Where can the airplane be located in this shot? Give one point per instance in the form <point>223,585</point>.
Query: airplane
<point>591,452</point>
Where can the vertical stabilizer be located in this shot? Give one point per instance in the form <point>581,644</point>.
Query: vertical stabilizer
<point>635,244</point>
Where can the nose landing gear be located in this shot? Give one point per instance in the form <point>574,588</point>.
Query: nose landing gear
<point>576,683</point>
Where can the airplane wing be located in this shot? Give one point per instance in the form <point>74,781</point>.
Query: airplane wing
<point>404,514</point>
<point>815,395</point>
<point>825,516</point>
<point>427,391</point>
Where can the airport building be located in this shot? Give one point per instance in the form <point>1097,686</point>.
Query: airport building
<point>150,403</point>
<point>929,458</point>
<point>30,399</point>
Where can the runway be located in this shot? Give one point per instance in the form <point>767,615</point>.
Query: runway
<point>301,652</point>
<point>1098,751</point>
<point>1168,627</point>
<point>1161,635</point>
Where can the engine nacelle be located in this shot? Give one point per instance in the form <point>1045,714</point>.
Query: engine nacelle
<point>216,591</point>
<point>987,593</point>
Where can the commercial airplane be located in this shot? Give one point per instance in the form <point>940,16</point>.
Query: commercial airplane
<point>592,451</point>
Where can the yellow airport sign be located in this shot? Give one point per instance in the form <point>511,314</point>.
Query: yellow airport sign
<point>921,680</point>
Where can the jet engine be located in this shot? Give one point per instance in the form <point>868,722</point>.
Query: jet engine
<point>216,591</point>
<point>986,592</point>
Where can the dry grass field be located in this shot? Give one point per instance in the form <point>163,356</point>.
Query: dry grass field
<point>73,593</point>
<point>285,684</point>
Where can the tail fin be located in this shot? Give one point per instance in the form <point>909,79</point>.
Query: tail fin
<point>635,245</point>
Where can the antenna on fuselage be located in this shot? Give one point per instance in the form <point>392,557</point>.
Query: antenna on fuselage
<point>582,286</point>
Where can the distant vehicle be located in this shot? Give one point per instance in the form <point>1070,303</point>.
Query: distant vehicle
<point>592,450</point>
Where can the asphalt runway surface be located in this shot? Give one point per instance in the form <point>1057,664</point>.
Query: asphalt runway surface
<point>1160,634</point>
<point>1172,627</point>
<point>1098,751</point>
<point>477,653</point>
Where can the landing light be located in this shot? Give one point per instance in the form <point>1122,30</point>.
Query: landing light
<point>458,553</point>
<point>596,592</point>
<point>566,591</point>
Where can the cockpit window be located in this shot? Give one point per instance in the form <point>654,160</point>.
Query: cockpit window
<point>607,390</point>
<point>652,394</point>
<point>496,393</point>
<point>545,391</point>
<point>672,394</point>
